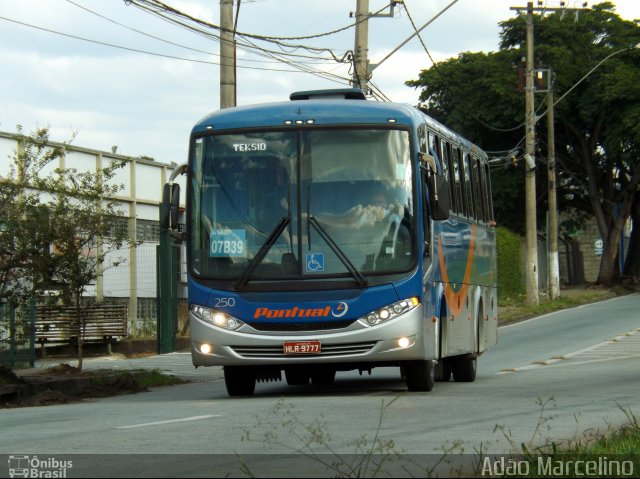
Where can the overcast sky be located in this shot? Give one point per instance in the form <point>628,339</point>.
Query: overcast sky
<point>147,104</point>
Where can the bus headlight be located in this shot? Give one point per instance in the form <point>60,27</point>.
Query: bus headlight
<point>217,318</point>
<point>389,312</point>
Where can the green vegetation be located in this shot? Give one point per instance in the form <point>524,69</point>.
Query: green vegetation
<point>510,267</point>
<point>605,451</point>
<point>155,378</point>
<point>515,308</point>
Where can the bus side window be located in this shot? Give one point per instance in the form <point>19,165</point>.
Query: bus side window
<point>457,173</point>
<point>489,198</point>
<point>477,190</point>
<point>422,138</point>
<point>446,158</point>
<point>484,190</point>
<point>468,186</point>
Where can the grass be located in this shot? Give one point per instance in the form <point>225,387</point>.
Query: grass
<point>515,309</point>
<point>615,453</point>
<point>155,378</point>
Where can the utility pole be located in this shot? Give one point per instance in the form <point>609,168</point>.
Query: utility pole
<point>227,56</point>
<point>530,176</point>
<point>361,67</point>
<point>530,142</point>
<point>554,266</point>
<point>530,165</point>
<point>361,47</point>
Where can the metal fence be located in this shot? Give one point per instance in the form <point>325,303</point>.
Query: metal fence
<point>17,335</point>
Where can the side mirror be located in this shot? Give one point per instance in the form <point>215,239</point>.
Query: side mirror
<point>170,204</point>
<point>439,198</point>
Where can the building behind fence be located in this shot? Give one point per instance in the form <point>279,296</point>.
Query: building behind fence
<point>134,280</point>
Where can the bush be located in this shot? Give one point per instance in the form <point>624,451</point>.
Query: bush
<point>510,265</point>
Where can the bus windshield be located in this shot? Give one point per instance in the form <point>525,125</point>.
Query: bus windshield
<point>308,204</point>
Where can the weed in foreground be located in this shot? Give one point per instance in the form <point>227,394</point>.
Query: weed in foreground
<point>366,455</point>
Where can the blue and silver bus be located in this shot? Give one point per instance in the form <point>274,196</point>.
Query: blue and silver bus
<point>331,233</point>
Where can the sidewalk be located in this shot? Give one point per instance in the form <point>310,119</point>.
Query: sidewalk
<point>177,364</point>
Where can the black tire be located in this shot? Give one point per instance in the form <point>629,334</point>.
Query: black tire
<point>297,376</point>
<point>419,375</point>
<point>464,369</point>
<point>240,381</point>
<point>323,376</point>
<point>443,370</point>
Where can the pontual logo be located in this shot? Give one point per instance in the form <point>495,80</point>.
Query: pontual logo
<point>339,311</point>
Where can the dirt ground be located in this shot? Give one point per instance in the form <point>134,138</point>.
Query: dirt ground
<point>63,384</point>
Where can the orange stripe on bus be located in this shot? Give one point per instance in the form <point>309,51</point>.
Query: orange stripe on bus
<point>453,297</point>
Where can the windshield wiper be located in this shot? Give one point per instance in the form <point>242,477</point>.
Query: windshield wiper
<point>338,252</point>
<point>264,249</point>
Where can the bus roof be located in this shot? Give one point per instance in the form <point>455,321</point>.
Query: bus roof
<point>321,112</point>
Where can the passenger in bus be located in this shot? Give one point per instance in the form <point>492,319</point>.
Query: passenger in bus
<point>373,211</point>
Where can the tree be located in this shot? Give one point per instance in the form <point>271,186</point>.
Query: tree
<point>66,224</point>
<point>24,239</point>
<point>597,124</point>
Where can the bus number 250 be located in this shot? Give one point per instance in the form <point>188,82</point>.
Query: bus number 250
<point>225,302</point>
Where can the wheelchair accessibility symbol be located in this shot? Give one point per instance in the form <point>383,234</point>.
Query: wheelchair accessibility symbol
<point>315,262</point>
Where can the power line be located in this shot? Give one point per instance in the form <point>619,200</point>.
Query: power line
<point>169,9</point>
<point>154,36</point>
<point>146,52</point>
<point>158,8</point>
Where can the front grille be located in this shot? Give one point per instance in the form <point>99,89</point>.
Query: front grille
<point>323,326</point>
<point>327,350</point>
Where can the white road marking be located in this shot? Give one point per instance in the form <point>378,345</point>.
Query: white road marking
<point>620,347</point>
<point>171,421</point>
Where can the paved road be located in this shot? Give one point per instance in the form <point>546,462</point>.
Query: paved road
<point>582,364</point>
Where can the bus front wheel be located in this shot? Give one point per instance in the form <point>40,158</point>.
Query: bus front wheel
<point>419,375</point>
<point>240,380</point>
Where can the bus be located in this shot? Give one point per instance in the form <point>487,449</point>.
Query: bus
<point>333,233</point>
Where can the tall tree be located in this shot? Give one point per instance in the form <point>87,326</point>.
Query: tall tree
<point>597,123</point>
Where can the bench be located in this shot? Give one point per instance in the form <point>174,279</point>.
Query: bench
<point>58,324</point>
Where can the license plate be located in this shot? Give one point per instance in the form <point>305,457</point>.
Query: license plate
<point>301,347</point>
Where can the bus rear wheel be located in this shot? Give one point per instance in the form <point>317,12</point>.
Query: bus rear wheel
<point>419,375</point>
<point>240,380</point>
<point>464,369</point>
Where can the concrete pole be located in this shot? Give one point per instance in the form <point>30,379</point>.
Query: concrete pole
<point>227,56</point>
<point>361,47</point>
<point>530,176</point>
<point>554,267</point>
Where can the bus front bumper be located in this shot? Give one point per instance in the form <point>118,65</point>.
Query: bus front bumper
<point>407,337</point>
